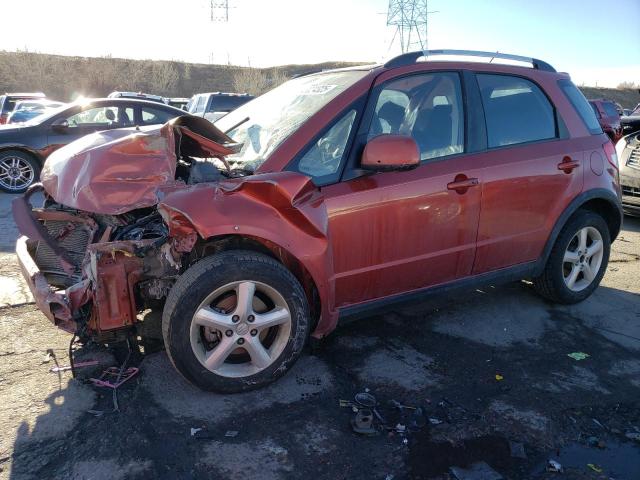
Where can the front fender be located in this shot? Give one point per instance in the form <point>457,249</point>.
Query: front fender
<point>283,208</point>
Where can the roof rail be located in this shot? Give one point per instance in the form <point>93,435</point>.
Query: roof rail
<point>412,57</point>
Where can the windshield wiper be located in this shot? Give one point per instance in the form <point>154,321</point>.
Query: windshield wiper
<point>244,120</point>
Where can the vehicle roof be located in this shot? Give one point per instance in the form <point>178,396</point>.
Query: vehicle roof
<point>26,94</point>
<point>481,61</point>
<point>127,100</point>
<point>231,94</point>
<point>39,101</point>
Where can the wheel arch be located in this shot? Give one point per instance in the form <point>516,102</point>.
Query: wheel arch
<point>598,200</point>
<point>23,149</point>
<point>221,243</point>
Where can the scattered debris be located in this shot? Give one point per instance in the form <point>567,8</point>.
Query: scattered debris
<point>598,423</point>
<point>517,450</point>
<point>113,372</point>
<point>64,368</point>
<point>477,471</point>
<point>499,377</point>
<point>363,422</point>
<point>47,357</point>
<point>231,433</point>
<point>434,421</point>
<point>594,467</point>
<point>553,466</point>
<point>400,428</point>
<point>401,406</point>
<point>96,413</point>
<point>578,355</point>
<point>194,431</point>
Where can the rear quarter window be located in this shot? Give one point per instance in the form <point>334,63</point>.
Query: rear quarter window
<point>581,105</point>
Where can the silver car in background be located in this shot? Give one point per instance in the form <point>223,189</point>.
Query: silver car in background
<point>628,150</point>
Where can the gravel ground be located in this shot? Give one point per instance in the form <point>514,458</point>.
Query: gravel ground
<point>488,367</point>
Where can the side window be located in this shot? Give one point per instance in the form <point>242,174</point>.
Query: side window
<point>153,116</point>
<point>427,107</point>
<point>95,117</point>
<point>322,160</point>
<point>200,105</point>
<point>516,110</point>
<point>610,109</point>
<point>595,109</point>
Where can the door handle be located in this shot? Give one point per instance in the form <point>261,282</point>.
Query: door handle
<point>567,165</point>
<point>461,183</point>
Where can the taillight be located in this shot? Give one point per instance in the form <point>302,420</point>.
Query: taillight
<point>611,155</point>
<point>3,118</point>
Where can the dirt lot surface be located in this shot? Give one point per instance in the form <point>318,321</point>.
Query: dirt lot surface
<point>488,368</point>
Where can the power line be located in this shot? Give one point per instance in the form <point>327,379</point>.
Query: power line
<point>409,17</point>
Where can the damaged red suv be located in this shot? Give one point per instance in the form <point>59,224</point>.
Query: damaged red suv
<point>333,195</point>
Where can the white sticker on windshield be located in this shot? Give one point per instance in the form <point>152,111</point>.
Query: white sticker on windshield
<point>317,89</point>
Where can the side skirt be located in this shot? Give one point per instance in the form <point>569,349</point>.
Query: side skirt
<point>383,305</point>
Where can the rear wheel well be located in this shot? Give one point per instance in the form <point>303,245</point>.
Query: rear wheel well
<point>608,212</point>
<point>223,243</point>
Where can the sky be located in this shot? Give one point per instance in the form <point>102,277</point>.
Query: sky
<point>597,42</point>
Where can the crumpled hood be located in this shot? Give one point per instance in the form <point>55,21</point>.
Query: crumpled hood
<point>116,171</point>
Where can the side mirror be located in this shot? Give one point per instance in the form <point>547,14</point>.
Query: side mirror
<point>390,152</point>
<point>61,125</point>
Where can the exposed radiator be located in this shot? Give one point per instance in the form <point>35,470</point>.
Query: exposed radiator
<point>74,238</point>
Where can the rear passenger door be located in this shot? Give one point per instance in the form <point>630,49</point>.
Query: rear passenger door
<point>524,189</point>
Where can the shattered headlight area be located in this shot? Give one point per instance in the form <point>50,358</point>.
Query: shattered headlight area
<point>91,274</point>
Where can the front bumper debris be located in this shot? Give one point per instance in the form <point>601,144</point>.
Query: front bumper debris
<point>54,304</point>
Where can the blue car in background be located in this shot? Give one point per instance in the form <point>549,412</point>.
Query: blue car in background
<point>26,110</point>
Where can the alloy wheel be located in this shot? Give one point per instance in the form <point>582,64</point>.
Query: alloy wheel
<point>15,173</point>
<point>240,329</point>
<point>583,259</point>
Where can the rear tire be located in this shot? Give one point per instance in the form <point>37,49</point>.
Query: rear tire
<point>18,171</point>
<point>235,321</point>
<point>578,260</point>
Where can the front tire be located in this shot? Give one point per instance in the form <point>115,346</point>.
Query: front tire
<point>578,260</point>
<point>235,321</point>
<point>18,171</point>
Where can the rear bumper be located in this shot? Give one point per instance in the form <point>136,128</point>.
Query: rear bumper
<point>54,304</point>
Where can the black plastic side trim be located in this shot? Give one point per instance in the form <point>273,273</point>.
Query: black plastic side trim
<point>504,275</point>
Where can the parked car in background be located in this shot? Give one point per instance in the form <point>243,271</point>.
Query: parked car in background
<point>8,102</point>
<point>334,194</point>
<point>608,117</point>
<point>628,150</point>
<point>25,146</point>
<point>138,96</point>
<point>178,102</point>
<point>216,105</point>
<point>631,122</point>
<point>26,110</point>
<point>626,111</point>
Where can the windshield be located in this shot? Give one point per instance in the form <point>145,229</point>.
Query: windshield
<point>262,124</point>
<point>49,113</point>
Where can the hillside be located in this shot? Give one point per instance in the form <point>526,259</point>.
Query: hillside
<point>65,78</point>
